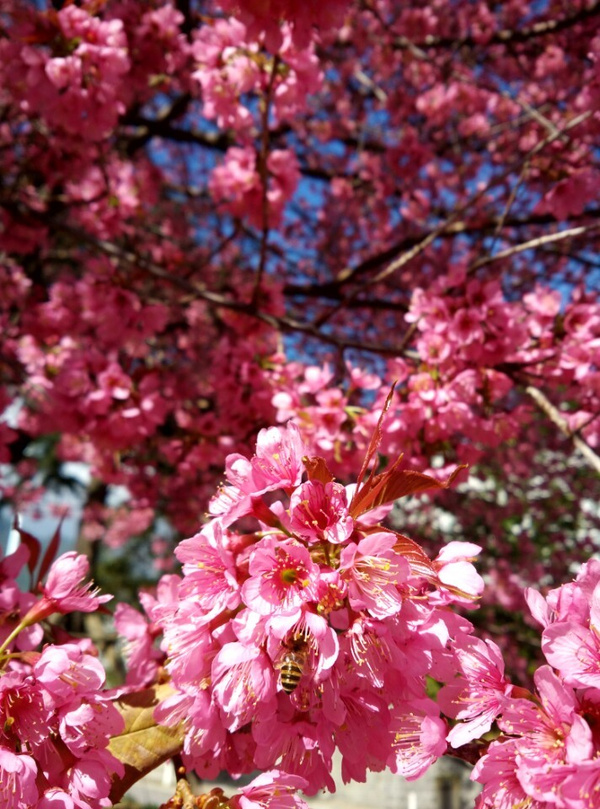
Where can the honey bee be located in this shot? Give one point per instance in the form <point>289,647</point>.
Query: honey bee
<point>293,663</point>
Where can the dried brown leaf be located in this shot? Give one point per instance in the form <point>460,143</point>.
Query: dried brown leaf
<point>143,744</point>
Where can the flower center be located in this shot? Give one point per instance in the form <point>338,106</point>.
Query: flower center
<point>289,575</point>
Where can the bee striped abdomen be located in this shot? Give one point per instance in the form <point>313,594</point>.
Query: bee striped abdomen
<point>291,670</point>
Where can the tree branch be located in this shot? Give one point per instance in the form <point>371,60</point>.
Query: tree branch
<point>283,324</point>
<point>332,289</point>
<point>506,35</point>
<point>533,243</point>
<point>263,171</point>
<point>556,418</point>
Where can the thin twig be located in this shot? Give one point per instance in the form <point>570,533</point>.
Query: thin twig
<point>418,248</point>
<point>509,203</point>
<point>556,418</point>
<point>263,170</point>
<point>402,260</point>
<point>331,289</point>
<point>533,243</point>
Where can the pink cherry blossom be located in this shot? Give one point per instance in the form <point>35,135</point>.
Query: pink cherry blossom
<point>581,786</point>
<point>56,799</point>
<point>243,684</point>
<point>276,464</point>
<point>320,511</point>
<point>17,780</point>
<point>419,739</point>
<point>23,709</point>
<point>271,790</point>
<point>375,573</point>
<point>573,650</point>
<point>456,571</point>
<point>479,696</point>
<point>209,567</point>
<point>281,576</point>
<point>497,771</point>
<point>65,590</point>
<point>550,739</point>
<point>64,669</point>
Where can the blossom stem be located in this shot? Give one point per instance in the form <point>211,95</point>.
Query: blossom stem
<point>9,640</point>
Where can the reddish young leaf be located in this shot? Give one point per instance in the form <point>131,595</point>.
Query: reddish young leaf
<point>373,447</point>
<point>262,512</point>
<point>420,563</point>
<point>33,546</point>
<point>393,484</point>
<point>51,550</point>
<point>317,469</point>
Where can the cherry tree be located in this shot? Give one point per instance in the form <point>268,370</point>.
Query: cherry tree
<point>218,217</point>
<point>299,624</point>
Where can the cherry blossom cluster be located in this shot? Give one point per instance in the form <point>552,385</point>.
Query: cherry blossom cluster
<point>301,624</point>
<point>197,202</point>
<point>232,70</point>
<point>471,351</point>
<point>457,397</point>
<point>264,18</point>
<point>101,351</point>
<point>55,716</point>
<point>230,66</point>
<point>547,748</point>
<point>215,218</point>
<point>101,408</point>
<point>236,184</point>
<point>56,713</point>
<point>75,82</point>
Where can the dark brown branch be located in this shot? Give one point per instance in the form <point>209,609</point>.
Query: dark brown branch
<point>506,35</point>
<point>188,24</point>
<point>332,289</point>
<point>149,128</point>
<point>146,129</point>
<point>286,325</point>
